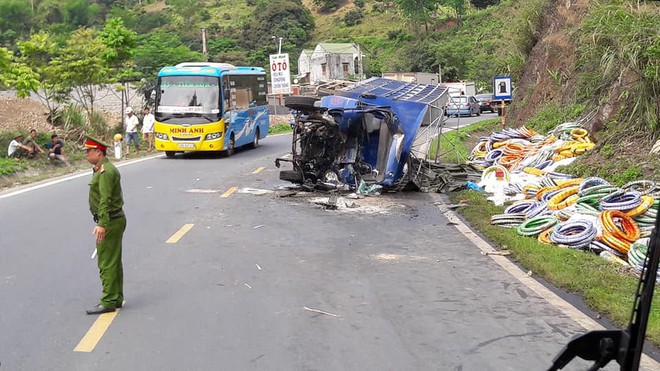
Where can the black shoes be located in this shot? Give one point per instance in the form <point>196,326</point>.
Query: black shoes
<point>100,309</point>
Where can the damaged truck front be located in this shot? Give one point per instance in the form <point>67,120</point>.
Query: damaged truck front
<point>358,138</point>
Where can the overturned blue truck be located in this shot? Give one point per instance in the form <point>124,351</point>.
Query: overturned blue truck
<point>365,133</point>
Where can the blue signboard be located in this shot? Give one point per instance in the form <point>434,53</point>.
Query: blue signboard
<point>502,87</point>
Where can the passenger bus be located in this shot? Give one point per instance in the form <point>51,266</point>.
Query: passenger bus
<point>210,107</point>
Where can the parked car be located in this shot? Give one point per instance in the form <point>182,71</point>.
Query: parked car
<point>462,105</point>
<point>484,102</point>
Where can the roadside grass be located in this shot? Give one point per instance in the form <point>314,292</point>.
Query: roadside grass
<point>605,287</point>
<point>279,129</point>
<point>453,148</point>
<point>14,172</point>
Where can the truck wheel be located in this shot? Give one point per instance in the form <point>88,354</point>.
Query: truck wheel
<point>300,103</point>
<point>170,154</point>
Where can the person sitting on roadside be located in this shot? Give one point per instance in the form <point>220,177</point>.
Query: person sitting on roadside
<point>31,142</point>
<point>56,149</point>
<point>17,149</point>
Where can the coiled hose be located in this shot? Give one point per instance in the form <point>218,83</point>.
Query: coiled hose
<point>619,230</point>
<point>534,226</point>
<point>576,234</point>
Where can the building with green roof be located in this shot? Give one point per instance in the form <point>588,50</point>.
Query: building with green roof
<point>330,61</point>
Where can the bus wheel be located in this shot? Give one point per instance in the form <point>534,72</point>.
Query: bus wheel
<point>170,154</point>
<point>255,141</point>
<point>232,144</point>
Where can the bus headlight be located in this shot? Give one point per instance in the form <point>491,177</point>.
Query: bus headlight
<point>161,136</point>
<point>213,136</point>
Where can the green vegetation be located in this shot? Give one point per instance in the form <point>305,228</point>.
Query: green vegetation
<point>9,166</point>
<point>453,148</point>
<point>620,49</point>
<point>602,285</point>
<point>552,115</point>
<point>279,129</point>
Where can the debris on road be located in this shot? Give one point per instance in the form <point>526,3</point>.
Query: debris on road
<point>255,191</point>
<point>195,190</point>
<point>321,312</point>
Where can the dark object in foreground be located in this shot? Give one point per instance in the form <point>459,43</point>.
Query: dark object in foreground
<point>624,346</point>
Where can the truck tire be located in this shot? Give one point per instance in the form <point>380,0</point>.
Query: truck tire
<point>170,154</point>
<point>291,176</point>
<point>300,103</point>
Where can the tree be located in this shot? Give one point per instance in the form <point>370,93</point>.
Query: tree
<point>288,19</point>
<point>120,43</point>
<point>38,53</point>
<point>326,5</point>
<point>17,75</point>
<point>458,6</point>
<point>483,4</point>
<point>82,67</point>
<point>418,11</point>
<point>15,19</point>
<point>160,49</point>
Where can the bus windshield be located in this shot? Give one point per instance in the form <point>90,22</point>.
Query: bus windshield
<point>188,99</point>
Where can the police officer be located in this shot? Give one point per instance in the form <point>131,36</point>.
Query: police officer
<point>105,203</point>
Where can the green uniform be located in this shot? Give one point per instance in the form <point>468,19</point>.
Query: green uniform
<point>105,203</point>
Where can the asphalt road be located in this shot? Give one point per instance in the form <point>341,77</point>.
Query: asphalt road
<point>260,282</point>
<point>453,123</point>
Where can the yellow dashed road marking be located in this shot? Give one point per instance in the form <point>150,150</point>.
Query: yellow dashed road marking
<point>229,192</point>
<point>177,236</point>
<point>258,170</point>
<point>92,337</point>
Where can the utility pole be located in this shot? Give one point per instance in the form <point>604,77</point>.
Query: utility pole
<point>439,73</point>
<point>204,51</point>
<point>360,66</point>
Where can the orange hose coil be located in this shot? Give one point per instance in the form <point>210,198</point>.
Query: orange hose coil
<point>619,230</point>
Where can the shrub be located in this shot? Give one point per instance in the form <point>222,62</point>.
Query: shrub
<point>353,17</point>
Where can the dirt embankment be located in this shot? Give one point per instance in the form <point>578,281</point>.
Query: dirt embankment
<point>550,71</point>
<point>18,114</point>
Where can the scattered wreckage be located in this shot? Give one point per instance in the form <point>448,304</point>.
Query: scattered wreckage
<point>368,136</point>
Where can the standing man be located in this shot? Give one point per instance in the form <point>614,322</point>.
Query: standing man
<point>132,123</point>
<point>148,129</point>
<point>105,203</point>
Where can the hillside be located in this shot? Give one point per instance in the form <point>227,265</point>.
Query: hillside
<point>567,57</point>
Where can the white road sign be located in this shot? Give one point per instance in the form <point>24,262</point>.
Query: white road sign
<point>280,76</point>
<point>502,87</point>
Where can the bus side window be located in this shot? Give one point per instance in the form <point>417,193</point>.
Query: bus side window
<point>226,94</point>
<point>242,92</point>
